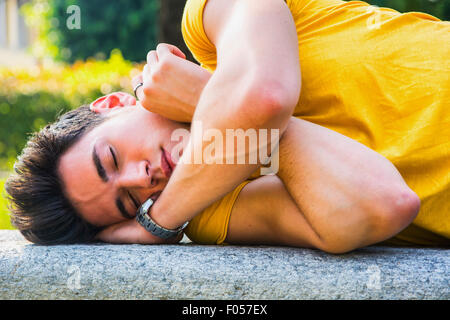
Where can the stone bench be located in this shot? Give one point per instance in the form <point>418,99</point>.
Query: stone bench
<point>190,271</point>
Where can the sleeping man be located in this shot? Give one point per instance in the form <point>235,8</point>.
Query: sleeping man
<point>363,153</point>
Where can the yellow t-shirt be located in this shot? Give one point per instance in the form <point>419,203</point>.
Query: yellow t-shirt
<point>377,76</point>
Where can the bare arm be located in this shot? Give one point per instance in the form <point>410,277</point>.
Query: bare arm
<point>323,181</point>
<point>331,193</point>
<point>256,85</point>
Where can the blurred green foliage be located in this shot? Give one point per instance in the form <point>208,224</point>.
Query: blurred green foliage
<point>132,25</point>
<point>104,25</point>
<point>31,98</point>
<point>21,115</point>
<point>438,8</point>
<point>5,222</point>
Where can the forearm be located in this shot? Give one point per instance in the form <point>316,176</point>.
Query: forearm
<point>255,86</point>
<point>198,183</point>
<point>349,194</point>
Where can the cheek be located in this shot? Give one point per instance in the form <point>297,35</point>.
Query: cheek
<point>153,127</point>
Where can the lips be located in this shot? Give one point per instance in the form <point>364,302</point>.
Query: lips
<point>165,164</point>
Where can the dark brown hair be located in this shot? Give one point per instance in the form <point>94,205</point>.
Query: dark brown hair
<point>39,208</point>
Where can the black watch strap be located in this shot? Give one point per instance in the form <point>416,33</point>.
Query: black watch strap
<point>144,219</point>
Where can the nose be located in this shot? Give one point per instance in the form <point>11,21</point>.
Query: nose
<point>137,175</point>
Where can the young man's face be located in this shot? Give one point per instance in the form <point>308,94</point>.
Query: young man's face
<point>119,164</point>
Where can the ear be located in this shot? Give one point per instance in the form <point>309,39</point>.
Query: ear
<point>112,100</point>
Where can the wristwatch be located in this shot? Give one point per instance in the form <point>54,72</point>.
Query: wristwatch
<point>144,219</point>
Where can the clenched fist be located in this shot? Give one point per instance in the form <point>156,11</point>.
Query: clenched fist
<point>172,85</point>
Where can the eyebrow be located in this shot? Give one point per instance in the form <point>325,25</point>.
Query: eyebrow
<point>102,174</point>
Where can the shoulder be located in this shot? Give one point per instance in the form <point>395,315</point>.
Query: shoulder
<point>193,31</point>
<point>202,17</point>
<point>206,17</point>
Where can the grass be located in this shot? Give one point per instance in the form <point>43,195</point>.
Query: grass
<point>4,213</point>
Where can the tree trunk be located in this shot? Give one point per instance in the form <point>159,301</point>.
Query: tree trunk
<point>170,14</point>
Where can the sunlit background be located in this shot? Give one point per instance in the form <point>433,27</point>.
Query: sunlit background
<point>50,62</point>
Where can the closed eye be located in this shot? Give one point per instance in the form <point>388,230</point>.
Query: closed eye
<point>133,200</point>
<point>114,157</point>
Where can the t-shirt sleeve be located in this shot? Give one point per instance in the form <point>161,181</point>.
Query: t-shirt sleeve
<point>195,37</point>
<point>211,225</point>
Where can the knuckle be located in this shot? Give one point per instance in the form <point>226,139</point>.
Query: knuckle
<point>151,54</point>
<point>161,45</point>
<point>150,91</point>
<point>147,89</point>
<point>165,63</point>
<point>146,104</point>
<point>156,74</point>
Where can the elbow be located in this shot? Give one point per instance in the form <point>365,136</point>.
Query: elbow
<point>276,103</point>
<point>400,209</point>
<point>408,204</point>
<point>393,214</point>
<point>381,221</point>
